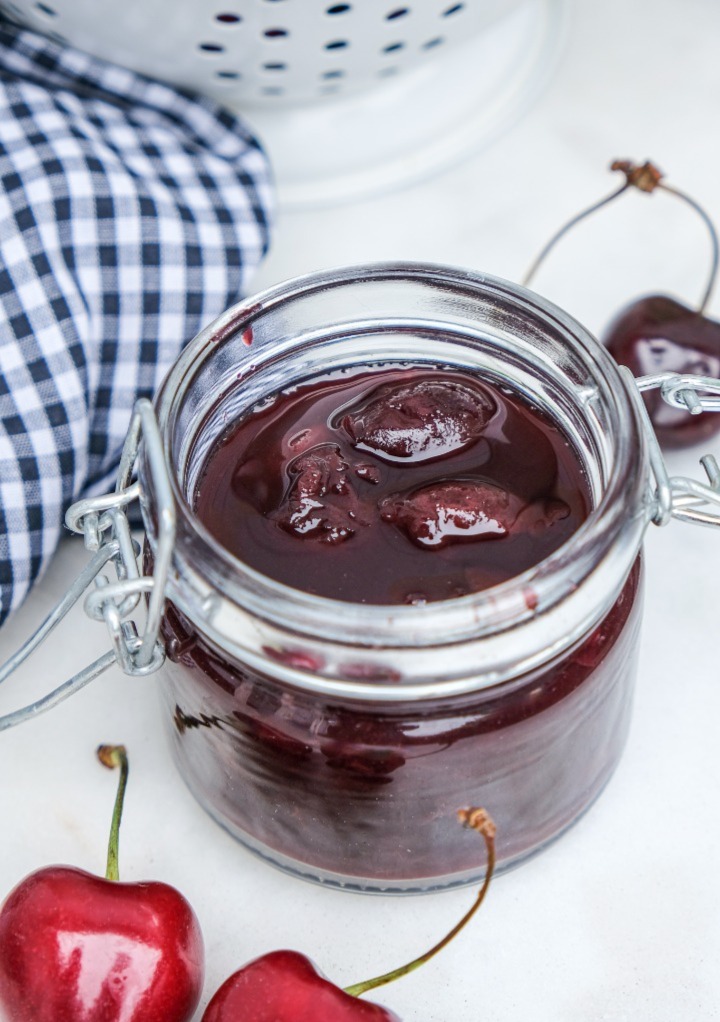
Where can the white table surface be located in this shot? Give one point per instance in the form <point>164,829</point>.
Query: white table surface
<point>620,920</point>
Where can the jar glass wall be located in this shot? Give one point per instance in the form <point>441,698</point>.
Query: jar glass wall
<point>339,739</point>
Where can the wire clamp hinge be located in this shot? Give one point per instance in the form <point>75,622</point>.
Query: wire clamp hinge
<point>681,497</point>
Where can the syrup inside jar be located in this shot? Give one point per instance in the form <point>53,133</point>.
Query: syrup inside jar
<point>396,485</point>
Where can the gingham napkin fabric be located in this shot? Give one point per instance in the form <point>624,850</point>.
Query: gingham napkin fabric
<point>131,214</point>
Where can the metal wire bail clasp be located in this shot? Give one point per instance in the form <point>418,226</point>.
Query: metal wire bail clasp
<point>679,496</point>
<point>103,523</point>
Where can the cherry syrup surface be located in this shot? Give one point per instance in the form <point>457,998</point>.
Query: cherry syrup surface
<point>395,485</point>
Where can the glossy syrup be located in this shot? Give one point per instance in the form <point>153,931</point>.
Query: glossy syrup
<point>395,484</point>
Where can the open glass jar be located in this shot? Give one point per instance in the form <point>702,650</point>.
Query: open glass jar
<point>338,739</point>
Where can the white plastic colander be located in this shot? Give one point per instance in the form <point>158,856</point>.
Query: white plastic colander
<point>264,52</point>
<point>348,97</point>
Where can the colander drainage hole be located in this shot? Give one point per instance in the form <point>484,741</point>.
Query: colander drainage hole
<point>275,33</point>
<point>452,10</point>
<point>432,43</point>
<point>211,47</point>
<point>45,9</point>
<point>393,47</point>
<point>228,19</point>
<point>339,9</point>
<point>399,12</point>
<point>337,44</point>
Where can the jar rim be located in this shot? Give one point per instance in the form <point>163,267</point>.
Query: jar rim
<point>623,506</point>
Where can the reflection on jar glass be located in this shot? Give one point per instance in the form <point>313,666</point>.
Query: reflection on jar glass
<point>369,793</point>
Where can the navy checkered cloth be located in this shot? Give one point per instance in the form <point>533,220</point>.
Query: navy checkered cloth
<point>131,214</point>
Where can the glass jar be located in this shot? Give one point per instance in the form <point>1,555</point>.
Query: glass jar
<point>338,740</point>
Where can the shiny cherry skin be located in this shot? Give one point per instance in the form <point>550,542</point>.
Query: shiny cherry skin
<point>658,334</point>
<point>78,948</point>
<point>284,986</point>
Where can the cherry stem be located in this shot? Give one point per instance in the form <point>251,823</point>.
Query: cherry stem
<point>713,241</point>
<point>113,756</point>
<point>645,177</point>
<point>480,821</point>
<point>545,252</point>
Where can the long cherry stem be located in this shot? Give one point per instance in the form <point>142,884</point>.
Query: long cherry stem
<point>644,177</point>
<point>547,249</point>
<point>114,756</point>
<point>475,819</point>
<point>713,240</point>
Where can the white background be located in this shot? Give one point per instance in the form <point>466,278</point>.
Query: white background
<point>620,920</point>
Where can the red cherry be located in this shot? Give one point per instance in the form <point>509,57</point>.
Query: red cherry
<point>284,986</point>
<point>77,948</point>
<point>80,948</point>
<point>658,334</point>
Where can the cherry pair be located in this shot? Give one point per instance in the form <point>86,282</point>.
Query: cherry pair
<point>79,948</point>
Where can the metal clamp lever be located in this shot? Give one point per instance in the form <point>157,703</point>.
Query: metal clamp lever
<point>679,496</point>
<point>104,524</point>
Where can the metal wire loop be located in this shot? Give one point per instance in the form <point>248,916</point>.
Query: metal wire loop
<point>685,391</point>
<point>114,594</point>
<point>89,517</point>
<point>688,500</point>
<point>113,602</point>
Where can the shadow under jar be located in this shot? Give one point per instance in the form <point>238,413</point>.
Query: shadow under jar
<point>338,738</point>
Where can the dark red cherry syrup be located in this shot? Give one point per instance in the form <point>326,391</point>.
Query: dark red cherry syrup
<point>399,484</point>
